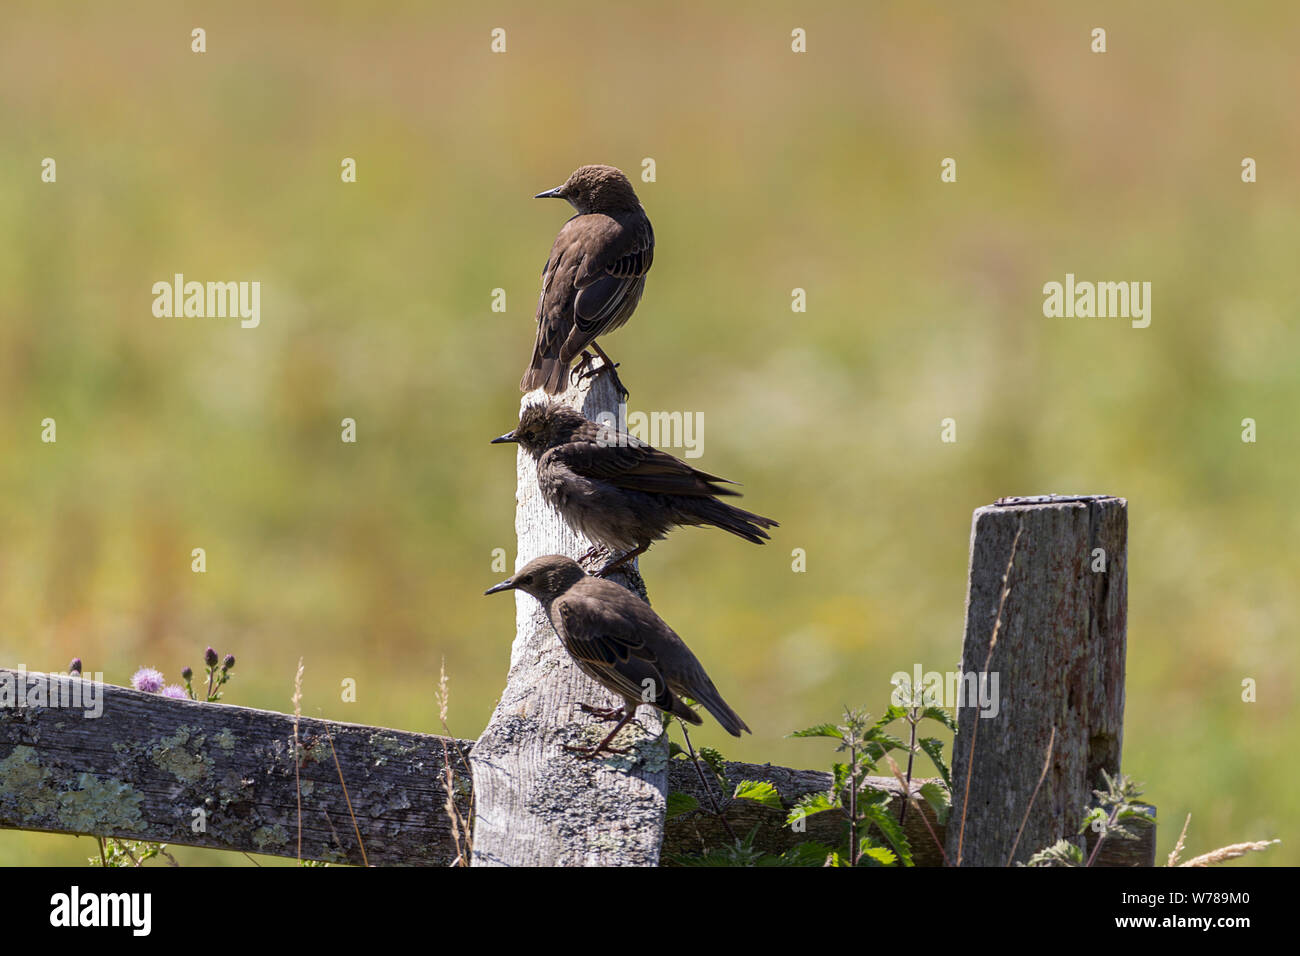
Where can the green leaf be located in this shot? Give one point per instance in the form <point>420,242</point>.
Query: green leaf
<point>891,714</point>
<point>679,803</point>
<point>892,831</point>
<point>1060,853</point>
<point>809,805</point>
<point>739,853</point>
<point>808,854</point>
<point>873,855</point>
<point>939,799</point>
<point>743,853</point>
<point>675,750</point>
<point>1139,813</point>
<point>716,762</point>
<point>736,854</point>
<point>933,748</point>
<point>760,791</point>
<point>870,796</point>
<point>1095,820</point>
<point>881,744</point>
<point>821,730</point>
<point>839,777</point>
<point>941,715</point>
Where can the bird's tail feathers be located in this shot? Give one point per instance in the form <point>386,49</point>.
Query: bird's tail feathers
<point>744,524</point>
<point>547,373</point>
<point>728,718</point>
<point>679,709</point>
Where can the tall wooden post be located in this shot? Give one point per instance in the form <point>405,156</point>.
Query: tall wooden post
<point>536,804</point>
<point>1050,574</point>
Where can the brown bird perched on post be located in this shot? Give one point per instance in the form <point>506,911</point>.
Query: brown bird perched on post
<point>619,491</point>
<point>593,279</point>
<point>617,640</point>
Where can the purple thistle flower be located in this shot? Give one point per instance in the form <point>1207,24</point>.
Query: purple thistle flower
<point>148,680</point>
<point>210,657</point>
<point>75,666</point>
<point>175,691</point>
<point>228,663</point>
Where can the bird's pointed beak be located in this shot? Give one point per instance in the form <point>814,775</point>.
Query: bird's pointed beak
<point>551,193</point>
<point>501,439</point>
<point>506,585</point>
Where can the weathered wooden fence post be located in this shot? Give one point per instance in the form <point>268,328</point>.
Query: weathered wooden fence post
<point>534,803</point>
<point>1051,573</point>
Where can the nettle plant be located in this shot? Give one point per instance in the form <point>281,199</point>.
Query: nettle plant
<point>872,826</point>
<point>1119,814</point>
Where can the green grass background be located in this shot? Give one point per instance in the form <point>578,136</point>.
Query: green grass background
<point>819,171</point>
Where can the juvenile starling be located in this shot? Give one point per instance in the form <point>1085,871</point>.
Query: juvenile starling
<point>617,640</point>
<point>619,491</point>
<point>594,276</point>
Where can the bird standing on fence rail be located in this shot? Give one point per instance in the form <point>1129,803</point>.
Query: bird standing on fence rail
<point>619,491</point>
<point>594,277</point>
<point>616,639</point>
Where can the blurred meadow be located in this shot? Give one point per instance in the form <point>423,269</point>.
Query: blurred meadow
<point>774,171</point>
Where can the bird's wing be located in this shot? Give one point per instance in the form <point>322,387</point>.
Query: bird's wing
<point>609,643</point>
<point>636,261</point>
<point>628,463</point>
<point>610,280</point>
<point>555,303</point>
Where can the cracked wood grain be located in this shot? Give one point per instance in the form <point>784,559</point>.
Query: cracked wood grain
<point>1059,661</point>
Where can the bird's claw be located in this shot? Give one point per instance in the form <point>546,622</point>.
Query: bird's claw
<point>601,713</point>
<point>583,369</point>
<point>589,752</point>
<point>588,369</point>
<point>614,565</point>
<point>623,393</point>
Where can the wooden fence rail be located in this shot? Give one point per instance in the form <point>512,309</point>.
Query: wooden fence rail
<point>142,769</point>
<point>1048,575</point>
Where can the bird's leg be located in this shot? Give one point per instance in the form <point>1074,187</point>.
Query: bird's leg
<point>601,713</point>
<point>610,366</point>
<point>583,368</point>
<point>603,746</point>
<point>610,713</point>
<point>619,562</point>
<point>590,553</point>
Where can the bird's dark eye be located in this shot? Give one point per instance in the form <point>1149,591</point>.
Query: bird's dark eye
<point>526,579</point>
